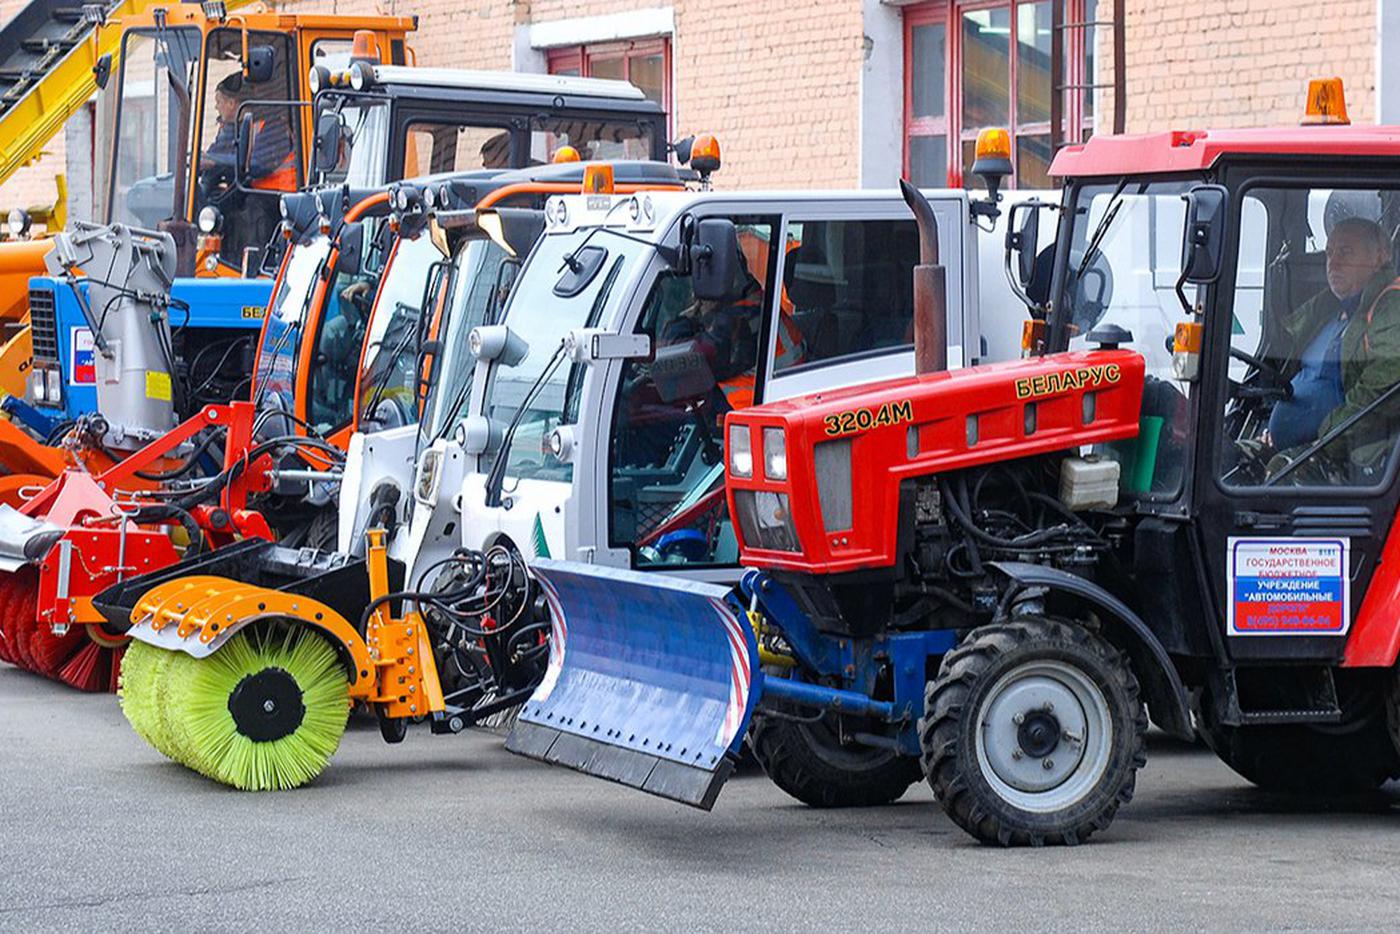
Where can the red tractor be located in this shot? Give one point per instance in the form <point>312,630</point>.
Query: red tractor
<point>1181,504</point>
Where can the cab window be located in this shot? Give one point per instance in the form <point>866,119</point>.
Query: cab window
<point>667,464</point>
<point>390,366</point>
<point>1312,397</point>
<point>270,166</point>
<point>335,361</point>
<point>434,148</point>
<point>1124,258</point>
<point>846,290</point>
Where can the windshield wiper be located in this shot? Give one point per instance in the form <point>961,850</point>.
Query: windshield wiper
<point>272,353</point>
<point>381,384</point>
<point>496,478</point>
<point>1091,251</point>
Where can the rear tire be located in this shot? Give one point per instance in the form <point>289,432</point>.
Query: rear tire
<point>1032,733</point>
<point>1307,759</point>
<point>809,762</point>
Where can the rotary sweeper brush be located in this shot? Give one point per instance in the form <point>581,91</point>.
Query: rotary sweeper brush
<point>244,663</point>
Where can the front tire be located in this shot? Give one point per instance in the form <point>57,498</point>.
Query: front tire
<point>807,760</point>
<point>1032,733</point>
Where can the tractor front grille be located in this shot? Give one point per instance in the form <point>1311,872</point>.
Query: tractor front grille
<point>43,324</point>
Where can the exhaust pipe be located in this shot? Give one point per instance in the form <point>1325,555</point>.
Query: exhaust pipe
<point>930,288</point>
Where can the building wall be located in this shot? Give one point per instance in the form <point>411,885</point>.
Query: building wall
<point>779,84</point>
<point>1229,63</point>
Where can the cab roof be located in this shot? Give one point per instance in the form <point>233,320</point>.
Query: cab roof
<point>474,80</point>
<point>1198,150</point>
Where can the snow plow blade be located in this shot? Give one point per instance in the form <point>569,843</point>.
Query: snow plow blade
<point>650,682</point>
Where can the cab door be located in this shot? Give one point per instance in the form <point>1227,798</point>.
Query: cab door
<point>1298,447</point>
<point>660,495</point>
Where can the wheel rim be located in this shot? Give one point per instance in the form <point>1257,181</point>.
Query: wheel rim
<point>1043,736</point>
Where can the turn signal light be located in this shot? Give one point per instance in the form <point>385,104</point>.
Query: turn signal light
<point>1327,103</point>
<point>1033,334</point>
<point>598,179</point>
<point>565,154</point>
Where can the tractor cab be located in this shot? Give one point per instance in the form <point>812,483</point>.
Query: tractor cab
<point>376,122</point>
<point>199,117</point>
<point>1271,400</point>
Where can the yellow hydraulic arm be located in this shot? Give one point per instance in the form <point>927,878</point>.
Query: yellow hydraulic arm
<point>47,56</point>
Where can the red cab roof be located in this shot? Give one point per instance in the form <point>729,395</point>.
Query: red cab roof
<point>1195,150</point>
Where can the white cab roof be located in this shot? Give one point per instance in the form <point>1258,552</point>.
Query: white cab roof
<point>471,79</point>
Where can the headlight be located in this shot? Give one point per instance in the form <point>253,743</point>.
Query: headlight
<point>18,223</point>
<point>474,342</point>
<point>319,78</point>
<point>426,489</point>
<point>36,386</point>
<point>765,520</point>
<point>55,384</point>
<point>634,209</point>
<point>774,454</point>
<point>210,220</point>
<point>284,207</point>
<point>740,451</point>
<point>361,76</point>
<point>557,212</point>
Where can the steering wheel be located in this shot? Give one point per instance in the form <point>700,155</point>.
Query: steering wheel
<point>1279,388</point>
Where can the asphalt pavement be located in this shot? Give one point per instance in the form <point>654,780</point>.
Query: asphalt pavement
<point>99,833</point>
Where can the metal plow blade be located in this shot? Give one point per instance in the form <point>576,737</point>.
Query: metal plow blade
<point>650,683</point>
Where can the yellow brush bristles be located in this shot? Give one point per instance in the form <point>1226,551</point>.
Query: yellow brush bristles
<point>180,705</point>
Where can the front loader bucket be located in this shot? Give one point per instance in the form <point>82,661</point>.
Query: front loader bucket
<point>650,682</point>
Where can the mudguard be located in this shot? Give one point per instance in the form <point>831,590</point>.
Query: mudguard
<point>651,681</point>
<point>1166,695</point>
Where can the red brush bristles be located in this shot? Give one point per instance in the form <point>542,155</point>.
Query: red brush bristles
<point>91,668</point>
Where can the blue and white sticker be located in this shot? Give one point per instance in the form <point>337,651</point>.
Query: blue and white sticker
<point>1289,586</point>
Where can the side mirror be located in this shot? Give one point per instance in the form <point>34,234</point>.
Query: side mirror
<point>1022,237</point>
<point>714,258</point>
<point>260,64</point>
<point>1203,240</point>
<point>350,244</point>
<point>329,133</point>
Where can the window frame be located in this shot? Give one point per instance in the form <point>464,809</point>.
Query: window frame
<point>579,59</point>
<point>950,126</point>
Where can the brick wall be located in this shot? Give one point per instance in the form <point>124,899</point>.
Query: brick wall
<point>1227,63</point>
<point>778,83</point>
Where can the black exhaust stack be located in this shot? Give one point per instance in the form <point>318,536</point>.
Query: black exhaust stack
<point>930,288</point>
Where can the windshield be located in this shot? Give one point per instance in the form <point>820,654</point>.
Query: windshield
<point>1121,269</point>
<point>475,280</point>
<point>153,125</point>
<point>550,300</point>
<point>593,138</point>
<point>275,383</point>
<point>363,141</point>
<point>391,340</point>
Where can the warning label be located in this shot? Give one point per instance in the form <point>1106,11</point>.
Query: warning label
<point>84,363</point>
<point>1289,586</point>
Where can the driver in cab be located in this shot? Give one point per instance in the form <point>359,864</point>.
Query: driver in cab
<point>1343,350</point>
<point>271,162</point>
